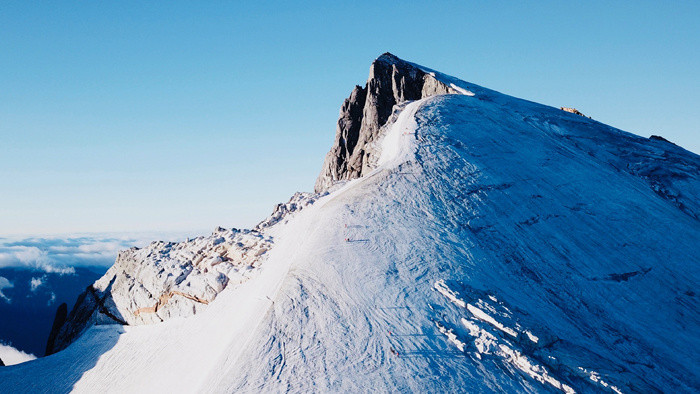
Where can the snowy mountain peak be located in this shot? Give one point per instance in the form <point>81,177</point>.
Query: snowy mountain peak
<point>388,57</point>
<point>391,82</point>
<point>465,240</point>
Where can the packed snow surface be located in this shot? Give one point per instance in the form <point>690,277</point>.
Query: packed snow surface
<point>500,245</point>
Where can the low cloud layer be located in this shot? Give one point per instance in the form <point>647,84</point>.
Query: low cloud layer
<point>35,283</point>
<point>5,284</point>
<point>61,254</point>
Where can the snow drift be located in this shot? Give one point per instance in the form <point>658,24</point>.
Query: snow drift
<point>485,243</point>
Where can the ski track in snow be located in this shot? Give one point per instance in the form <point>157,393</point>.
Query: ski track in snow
<point>467,261</point>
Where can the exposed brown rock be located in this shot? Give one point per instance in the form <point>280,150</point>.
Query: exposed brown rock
<point>573,111</point>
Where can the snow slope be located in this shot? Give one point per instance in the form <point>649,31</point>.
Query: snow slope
<point>500,245</point>
<point>500,258</point>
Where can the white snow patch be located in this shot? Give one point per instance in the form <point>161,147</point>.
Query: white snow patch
<point>595,377</point>
<point>479,314</point>
<point>451,336</point>
<point>442,288</point>
<point>532,336</point>
<point>398,144</point>
<point>484,341</point>
<point>12,356</point>
<point>462,90</point>
<point>534,370</point>
<point>487,343</point>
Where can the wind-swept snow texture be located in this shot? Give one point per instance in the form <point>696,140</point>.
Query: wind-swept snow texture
<point>499,246</point>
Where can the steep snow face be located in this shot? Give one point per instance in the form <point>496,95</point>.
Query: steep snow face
<point>495,245</point>
<point>511,252</point>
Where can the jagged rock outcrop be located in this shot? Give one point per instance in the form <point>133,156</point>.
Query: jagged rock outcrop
<point>58,322</point>
<point>171,279</point>
<point>162,280</point>
<point>573,111</point>
<point>282,211</point>
<point>660,138</point>
<point>391,81</point>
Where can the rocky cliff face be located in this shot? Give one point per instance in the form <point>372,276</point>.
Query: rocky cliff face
<point>162,280</point>
<point>391,81</point>
<point>58,321</point>
<point>171,279</point>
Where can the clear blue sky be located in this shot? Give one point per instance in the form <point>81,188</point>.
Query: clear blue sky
<point>127,116</point>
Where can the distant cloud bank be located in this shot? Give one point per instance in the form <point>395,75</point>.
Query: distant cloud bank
<point>5,284</point>
<point>59,254</point>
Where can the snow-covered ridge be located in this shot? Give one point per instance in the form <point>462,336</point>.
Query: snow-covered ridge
<point>367,114</point>
<point>173,279</point>
<point>491,244</point>
<point>283,211</point>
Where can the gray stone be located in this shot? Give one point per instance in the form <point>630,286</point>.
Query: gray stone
<point>391,82</point>
<point>58,322</point>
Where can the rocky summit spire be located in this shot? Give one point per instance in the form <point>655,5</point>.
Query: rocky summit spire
<point>391,81</point>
